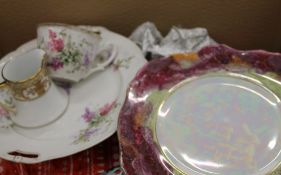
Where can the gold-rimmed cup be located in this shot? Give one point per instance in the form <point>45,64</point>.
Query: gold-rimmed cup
<point>37,99</point>
<point>27,76</point>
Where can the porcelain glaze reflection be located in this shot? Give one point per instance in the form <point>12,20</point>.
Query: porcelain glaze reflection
<point>237,133</point>
<point>214,112</point>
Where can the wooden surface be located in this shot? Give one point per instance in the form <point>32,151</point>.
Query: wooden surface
<point>242,24</point>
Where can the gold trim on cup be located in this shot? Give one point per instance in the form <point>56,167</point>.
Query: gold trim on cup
<point>32,87</point>
<point>3,85</point>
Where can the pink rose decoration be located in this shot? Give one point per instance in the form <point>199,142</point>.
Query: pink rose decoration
<point>106,108</point>
<point>52,34</point>
<point>56,44</point>
<point>56,64</point>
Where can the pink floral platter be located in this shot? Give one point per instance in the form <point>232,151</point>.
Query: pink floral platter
<point>217,111</point>
<point>93,110</point>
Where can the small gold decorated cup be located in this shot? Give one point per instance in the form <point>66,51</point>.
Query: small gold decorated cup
<point>26,78</point>
<point>32,81</point>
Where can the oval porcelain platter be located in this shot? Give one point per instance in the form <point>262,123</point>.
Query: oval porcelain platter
<point>217,111</point>
<point>92,113</point>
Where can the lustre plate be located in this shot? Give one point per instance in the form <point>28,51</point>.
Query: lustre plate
<point>217,111</point>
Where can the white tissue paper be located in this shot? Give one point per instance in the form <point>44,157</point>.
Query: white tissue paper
<point>178,40</point>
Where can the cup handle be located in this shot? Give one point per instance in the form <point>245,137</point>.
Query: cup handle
<point>113,53</point>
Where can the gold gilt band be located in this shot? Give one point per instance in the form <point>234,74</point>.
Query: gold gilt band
<point>33,87</point>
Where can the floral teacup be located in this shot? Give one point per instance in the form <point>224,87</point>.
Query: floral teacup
<point>73,53</point>
<point>27,95</point>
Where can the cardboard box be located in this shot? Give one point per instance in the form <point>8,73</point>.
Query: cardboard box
<point>242,24</point>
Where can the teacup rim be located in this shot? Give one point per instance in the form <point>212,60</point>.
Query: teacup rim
<point>38,72</point>
<point>69,26</point>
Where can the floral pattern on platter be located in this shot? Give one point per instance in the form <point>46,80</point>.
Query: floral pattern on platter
<point>7,107</point>
<point>122,63</point>
<point>5,120</point>
<point>67,52</point>
<point>94,119</point>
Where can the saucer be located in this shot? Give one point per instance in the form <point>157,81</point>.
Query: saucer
<point>29,114</point>
<point>217,111</point>
<point>91,116</point>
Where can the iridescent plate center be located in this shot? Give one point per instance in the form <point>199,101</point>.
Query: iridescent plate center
<point>220,125</point>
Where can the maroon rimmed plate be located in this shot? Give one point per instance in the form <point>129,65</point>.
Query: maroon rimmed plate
<point>213,112</point>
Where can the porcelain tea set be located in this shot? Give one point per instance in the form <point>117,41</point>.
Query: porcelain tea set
<point>216,111</point>
<point>62,91</point>
<point>28,96</point>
